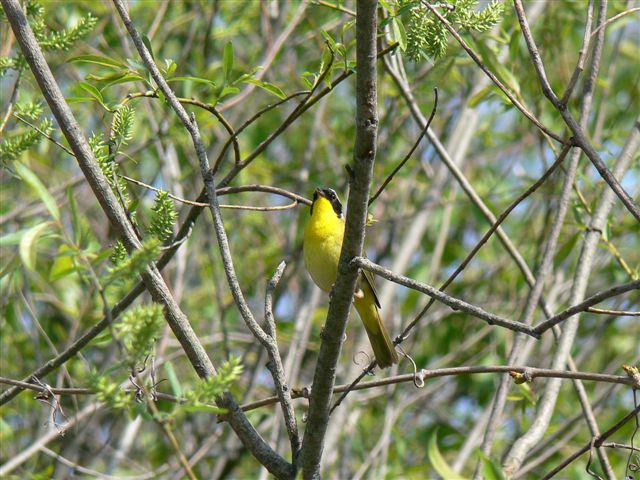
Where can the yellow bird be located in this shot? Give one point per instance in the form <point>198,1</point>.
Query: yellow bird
<point>322,245</point>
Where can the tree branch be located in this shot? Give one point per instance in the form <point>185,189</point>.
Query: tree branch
<point>344,288</point>
<point>239,422</point>
<point>96,179</point>
<point>454,303</point>
<point>580,137</point>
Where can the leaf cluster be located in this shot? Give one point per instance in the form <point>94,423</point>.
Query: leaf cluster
<point>138,330</point>
<point>13,146</point>
<point>427,37</point>
<point>60,40</point>
<point>164,217</point>
<point>206,391</point>
<point>130,266</point>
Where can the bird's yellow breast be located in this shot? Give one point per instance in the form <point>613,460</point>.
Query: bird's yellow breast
<point>322,244</point>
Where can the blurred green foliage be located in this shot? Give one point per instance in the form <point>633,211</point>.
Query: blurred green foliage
<point>58,251</point>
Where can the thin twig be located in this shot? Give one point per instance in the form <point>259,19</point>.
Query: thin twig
<point>12,101</point>
<point>596,442</point>
<point>454,303</point>
<point>582,55</point>
<point>490,74</point>
<point>413,149</point>
<point>339,8</point>
<point>425,374</point>
<point>583,306</point>
<point>615,18</point>
<point>202,204</point>
<point>579,137</point>
<point>241,425</point>
<point>276,368</point>
<point>39,130</point>
<point>616,313</point>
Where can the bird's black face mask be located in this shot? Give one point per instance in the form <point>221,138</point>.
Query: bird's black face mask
<point>330,195</point>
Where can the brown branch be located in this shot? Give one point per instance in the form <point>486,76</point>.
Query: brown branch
<point>617,313</point>
<point>615,18</point>
<point>202,204</point>
<point>581,307</point>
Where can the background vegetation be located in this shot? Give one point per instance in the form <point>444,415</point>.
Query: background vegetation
<point>62,268</point>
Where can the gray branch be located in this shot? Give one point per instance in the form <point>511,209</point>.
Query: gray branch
<point>344,288</point>
<point>580,137</point>
<point>96,179</point>
<point>238,420</point>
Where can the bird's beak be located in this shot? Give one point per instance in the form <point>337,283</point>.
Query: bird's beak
<point>319,193</point>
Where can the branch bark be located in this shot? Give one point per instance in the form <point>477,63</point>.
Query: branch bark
<point>580,137</point>
<point>238,420</point>
<point>344,288</point>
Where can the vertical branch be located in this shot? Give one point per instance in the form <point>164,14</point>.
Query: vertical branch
<point>344,288</point>
<point>546,263</point>
<point>238,420</point>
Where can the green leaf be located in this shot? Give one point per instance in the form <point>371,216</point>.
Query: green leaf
<point>228,90</point>
<point>192,79</point>
<point>98,60</point>
<point>12,238</point>
<point>329,39</point>
<point>107,78</point>
<point>491,469</point>
<point>63,264</point>
<point>399,33</point>
<point>386,6</point>
<point>173,379</point>
<point>269,87</point>
<point>497,67</point>
<point>147,43</point>
<point>38,187</point>
<point>438,462</point>
<point>170,67</point>
<point>79,99</point>
<point>93,91</point>
<point>527,393</point>
<point>133,77</point>
<point>76,222</point>
<point>481,95</point>
<point>29,243</point>
<point>227,61</point>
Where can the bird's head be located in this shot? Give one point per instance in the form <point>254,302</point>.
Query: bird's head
<point>326,200</point>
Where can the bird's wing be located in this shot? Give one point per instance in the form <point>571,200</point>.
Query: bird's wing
<point>368,278</point>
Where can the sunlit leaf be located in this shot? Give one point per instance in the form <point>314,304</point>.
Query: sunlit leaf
<point>227,62</point>
<point>38,187</point>
<point>438,462</point>
<point>29,244</point>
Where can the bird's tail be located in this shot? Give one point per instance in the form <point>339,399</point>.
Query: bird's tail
<point>381,343</point>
